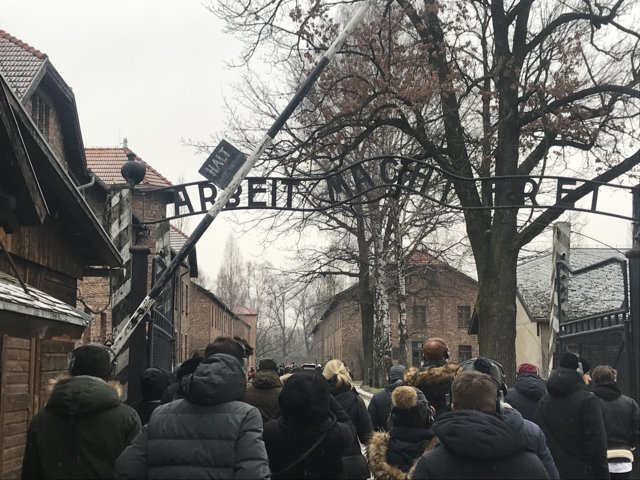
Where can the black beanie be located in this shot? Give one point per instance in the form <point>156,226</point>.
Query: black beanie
<point>267,364</point>
<point>571,360</point>
<point>153,383</point>
<point>304,399</point>
<point>93,360</point>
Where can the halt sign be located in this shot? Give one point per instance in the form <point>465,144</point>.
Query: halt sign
<point>222,164</point>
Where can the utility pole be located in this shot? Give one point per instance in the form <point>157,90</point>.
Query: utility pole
<point>634,293</point>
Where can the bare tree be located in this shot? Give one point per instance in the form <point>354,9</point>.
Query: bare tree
<point>483,89</point>
<point>231,283</point>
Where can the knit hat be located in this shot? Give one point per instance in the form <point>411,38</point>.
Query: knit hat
<point>396,372</point>
<point>410,408</point>
<point>153,383</point>
<point>267,364</point>
<point>573,361</point>
<point>527,368</point>
<point>304,399</point>
<point>93,360</point>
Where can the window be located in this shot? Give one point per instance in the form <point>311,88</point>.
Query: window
<point>464,316</point>
<point>416,353</point>
<point>464,353</point>
<point>420,315</point>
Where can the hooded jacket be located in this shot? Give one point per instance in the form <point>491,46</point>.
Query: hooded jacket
<point>435,381</point>
<point>380,407</point>
<point>475,444</point>
<point>394,455</point>
<point>533,437</point>
<point>211,433</point>
<point>262,392</point>
<point>621,417</point>
<point>80,432</point>
<point>526,393</point>
<point>571,418</point>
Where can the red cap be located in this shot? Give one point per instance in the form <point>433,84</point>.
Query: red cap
<point>527,368</point>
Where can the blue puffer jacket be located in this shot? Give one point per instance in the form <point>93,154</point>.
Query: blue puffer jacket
<point>533,437</point>
<point>210,433</point>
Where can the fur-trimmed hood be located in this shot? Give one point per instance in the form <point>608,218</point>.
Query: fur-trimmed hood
<point>82,395</point>
<point>430,376</point>
<point>377,450</point>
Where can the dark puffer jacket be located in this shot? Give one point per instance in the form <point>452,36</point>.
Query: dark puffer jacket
<point>80,432</point>
<point>355,407</point>
<point>526,393</point>
<point>394,455</point>
<point>434,380</point>
<point>621,417</point>
<point>571,418</point>
<point>474,444</point>
<point>380,407</point>
<point>263,392</point>
<point>211,433</point>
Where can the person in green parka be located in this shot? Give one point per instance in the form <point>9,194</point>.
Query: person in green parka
<point>84,425</point>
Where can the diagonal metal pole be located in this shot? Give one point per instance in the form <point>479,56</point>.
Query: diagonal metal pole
<point>149,300</point>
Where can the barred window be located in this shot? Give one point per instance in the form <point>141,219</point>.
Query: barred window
<point>464,353</point>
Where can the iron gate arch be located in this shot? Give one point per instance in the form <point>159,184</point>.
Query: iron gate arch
<point>160,332</point>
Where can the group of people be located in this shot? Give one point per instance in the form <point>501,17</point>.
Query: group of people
<point>442,420</point>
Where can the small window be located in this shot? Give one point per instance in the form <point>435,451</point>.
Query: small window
<point>420,315</point>
<point>464,316</point>
<point>464,353</point>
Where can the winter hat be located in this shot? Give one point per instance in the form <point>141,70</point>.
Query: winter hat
<point>396,372</point>
<point>267,364</point>
<point>410,408</point>
<point>574,362</point>
<point>93,360</point>
<point>153,383</point>
<point>527,368</point>
<point>304,399</point>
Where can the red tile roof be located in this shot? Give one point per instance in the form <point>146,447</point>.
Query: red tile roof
<point>244,311</point>
<point>423,258</point>
<point>107,162</point>
<point>19,62</point>
<point>177,238</point>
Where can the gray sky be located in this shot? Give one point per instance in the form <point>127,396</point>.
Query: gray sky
<point>154,71</point>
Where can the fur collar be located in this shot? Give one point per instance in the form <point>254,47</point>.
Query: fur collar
<point>431,376</point>
<point>52,382</point>
<point>377,456</point>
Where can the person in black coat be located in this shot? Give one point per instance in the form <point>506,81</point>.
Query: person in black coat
<point>312,434</point>
<point>380,404</point>
<point>173,391</point>
<point>153,384</point>
<point>474,440</point>
<point>621,421</point>
<point>527,391</point>
<point>342,389</point>
<point>571,418</point>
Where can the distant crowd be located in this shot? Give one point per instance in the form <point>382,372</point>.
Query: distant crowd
<point>215,417</point>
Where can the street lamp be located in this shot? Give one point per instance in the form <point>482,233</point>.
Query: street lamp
<point>132,170</point>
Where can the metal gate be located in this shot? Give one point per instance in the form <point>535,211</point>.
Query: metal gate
<point>160,333</point>
<point>594,318</point>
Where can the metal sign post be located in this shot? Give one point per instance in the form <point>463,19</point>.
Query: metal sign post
<point>230,189</point>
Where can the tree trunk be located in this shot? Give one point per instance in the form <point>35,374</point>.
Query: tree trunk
<point>402,309</point>
<point>366,302</point>
<point>496,309</point>
<point>382,330</point>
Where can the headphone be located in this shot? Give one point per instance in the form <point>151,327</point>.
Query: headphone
<point>494,370</point>
<point>246,351</point>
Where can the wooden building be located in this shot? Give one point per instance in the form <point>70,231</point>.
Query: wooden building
<point>50,238</point>
<point>440,302</point>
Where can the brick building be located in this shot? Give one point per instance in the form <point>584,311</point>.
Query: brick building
<point>440,302</point>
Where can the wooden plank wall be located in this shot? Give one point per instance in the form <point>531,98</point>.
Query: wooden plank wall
<point>17,387</point>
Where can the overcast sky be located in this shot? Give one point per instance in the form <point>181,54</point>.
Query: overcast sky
<point>154,71</point>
